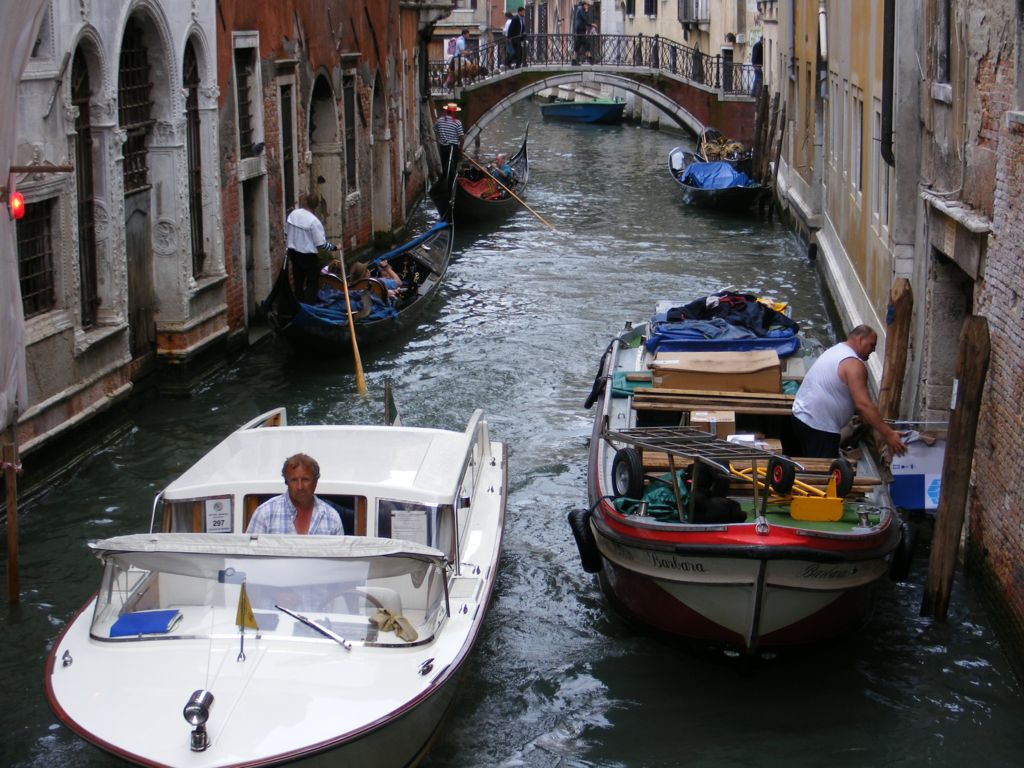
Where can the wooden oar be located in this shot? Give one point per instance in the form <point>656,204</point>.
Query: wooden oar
<point>513,194</point>
<point>360,379</point>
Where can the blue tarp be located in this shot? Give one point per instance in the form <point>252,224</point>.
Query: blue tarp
<point>717,175</point>
<point>700,335</point>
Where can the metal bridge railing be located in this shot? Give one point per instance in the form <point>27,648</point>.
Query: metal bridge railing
<point>627,51</point>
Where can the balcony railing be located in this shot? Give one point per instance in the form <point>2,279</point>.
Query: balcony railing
<point>626,51</point>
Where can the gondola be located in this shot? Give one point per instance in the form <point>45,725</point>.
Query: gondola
<point>323,327</point>
<point>478,197</point>
<point>717,185</point>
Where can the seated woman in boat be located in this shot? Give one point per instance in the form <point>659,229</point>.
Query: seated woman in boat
<point>387,275</point>
<point>382,271</point>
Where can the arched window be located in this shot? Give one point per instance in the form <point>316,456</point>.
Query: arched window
<point>190,80</point>
<point>134,106</point>
<point>81,93</point>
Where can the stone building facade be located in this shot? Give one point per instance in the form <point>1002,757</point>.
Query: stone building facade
<point>161,144</point>
<point>121,262</point>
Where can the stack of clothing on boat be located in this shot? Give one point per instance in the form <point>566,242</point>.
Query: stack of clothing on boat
<point>724,321</point>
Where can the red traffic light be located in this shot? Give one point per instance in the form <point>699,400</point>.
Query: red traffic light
<point>17,205</point>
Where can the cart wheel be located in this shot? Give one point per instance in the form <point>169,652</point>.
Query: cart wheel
<point>842,471</point>
<point>781,476</point>
<point>628,473</point>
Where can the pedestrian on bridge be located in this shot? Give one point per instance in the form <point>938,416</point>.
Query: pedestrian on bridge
<point>508,44</point>
<point>580,28</point>
<point>516,33</point>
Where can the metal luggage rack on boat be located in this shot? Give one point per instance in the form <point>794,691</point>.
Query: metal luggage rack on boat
<point>696,444</point>
<point>703,449</point>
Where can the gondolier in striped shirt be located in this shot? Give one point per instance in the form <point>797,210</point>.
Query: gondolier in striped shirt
<point>305,237</point>
<point>449,132</point>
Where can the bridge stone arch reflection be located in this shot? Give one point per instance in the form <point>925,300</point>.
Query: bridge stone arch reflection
<point>481,111</point>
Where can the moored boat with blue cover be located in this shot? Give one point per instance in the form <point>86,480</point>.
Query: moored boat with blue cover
<point>717,184</point>
<point>594,111</point>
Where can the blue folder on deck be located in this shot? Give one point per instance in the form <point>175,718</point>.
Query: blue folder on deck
<point>145,623</point>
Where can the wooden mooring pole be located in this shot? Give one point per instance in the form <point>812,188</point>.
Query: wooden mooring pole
<point>971,369</point>
<point>10,464</point>
<point>897,340</point>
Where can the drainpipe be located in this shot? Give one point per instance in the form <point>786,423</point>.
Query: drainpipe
<point>888,65</point>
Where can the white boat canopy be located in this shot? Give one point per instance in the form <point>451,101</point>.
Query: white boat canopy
<point>265,545</point>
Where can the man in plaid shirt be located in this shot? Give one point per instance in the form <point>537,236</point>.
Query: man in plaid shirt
<point>298,510</point>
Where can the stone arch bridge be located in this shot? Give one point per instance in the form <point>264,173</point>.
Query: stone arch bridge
<point>691,88</point>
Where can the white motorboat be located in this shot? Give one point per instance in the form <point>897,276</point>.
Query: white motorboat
<point>235,649</point>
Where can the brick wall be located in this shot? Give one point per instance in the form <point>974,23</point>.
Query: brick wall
<point>996,512</point>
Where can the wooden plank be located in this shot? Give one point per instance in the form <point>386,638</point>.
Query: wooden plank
<point>971,370</point>
<point>677,407</point>
<point>657,391</point>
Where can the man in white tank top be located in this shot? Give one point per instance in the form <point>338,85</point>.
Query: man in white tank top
<point>835,388</point>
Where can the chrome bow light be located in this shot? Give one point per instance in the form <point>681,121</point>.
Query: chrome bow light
<point>196,713</point>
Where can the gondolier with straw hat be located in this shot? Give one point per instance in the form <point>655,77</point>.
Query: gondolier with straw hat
<point>449,132</point>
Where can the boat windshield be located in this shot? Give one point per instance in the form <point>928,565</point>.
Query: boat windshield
<point>158,595</point>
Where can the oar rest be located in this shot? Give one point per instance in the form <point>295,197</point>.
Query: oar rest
<point>360,309</point>
<point>658,399</point>
<point>373,286</point>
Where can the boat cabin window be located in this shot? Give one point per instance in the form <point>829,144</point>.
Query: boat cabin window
<point>351,509</point>
<point>149,596</point>
<point>426,524</point>
<point>214,514</point>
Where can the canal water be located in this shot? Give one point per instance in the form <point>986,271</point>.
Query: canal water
<point>557,679</point>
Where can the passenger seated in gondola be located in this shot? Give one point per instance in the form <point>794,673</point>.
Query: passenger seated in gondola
<point>387,275</point>
<point>384,275</point>
<point>501,170</point>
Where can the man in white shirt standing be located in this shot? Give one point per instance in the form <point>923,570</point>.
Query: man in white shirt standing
<point>305,238</point>
<point>835,388</point>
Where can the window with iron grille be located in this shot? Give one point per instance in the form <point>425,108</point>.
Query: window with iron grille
<point>349,93</point>
<point>650,7</point>
<point>630,7</point>
<point>81,94</point>
<point>287,146</point>
<point>35,258</point>
<point>243,76</point>
<point>190,80</point>
<point>134,106</point>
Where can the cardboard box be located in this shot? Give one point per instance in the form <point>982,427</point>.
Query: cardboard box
<point>917,476</point>
<point>752,371</point>
<point>721,423</point>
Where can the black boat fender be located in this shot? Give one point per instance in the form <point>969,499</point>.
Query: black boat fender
<point>590,557</point>
<point>599,381</point>
<point>903,555</point>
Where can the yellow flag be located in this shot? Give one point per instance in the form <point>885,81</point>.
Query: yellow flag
<point>244,617</point>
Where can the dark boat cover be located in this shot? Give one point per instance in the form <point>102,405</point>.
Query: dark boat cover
<point>723,322</point>
<point>716,175</point>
